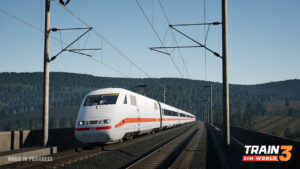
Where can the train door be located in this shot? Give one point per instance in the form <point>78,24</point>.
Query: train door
<point>138,115</point>
<point>160,115</point>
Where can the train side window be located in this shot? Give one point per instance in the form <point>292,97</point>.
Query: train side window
<point>155,106</point>
<point>133,100</point>
<point>165,112</point>
<point>125,100</point>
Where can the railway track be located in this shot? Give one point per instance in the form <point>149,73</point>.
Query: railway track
<point>177,153</point>
<point>67,158</point>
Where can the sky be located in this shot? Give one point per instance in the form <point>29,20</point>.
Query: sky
<point>263,39</point>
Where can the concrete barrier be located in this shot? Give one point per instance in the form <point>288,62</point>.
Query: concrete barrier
<point>247,136</point>
<point>62,138</point>
<point>218,147</point>
<point>9,140</point>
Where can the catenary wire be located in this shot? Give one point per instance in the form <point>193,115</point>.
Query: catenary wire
<point>107,41</point>
<point>165,14</point>
<point>58,40</point>
<point>162,44</point>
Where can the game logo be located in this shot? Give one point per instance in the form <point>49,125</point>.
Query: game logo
<point>267,153</point>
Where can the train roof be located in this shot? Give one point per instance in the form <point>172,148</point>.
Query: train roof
<point>116,90</point>
<point>122,90</point>
<point>108,90</point>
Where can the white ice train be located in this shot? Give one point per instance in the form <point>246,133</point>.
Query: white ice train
<point>111,114</point>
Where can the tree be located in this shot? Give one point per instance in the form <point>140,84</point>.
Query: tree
<point>290,111</point>
<point>287,103</point>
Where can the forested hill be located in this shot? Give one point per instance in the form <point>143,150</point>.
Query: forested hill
<point>23,92</point>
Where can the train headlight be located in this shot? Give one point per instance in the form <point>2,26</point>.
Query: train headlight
<point>81,123</point>
<point>106,121</point>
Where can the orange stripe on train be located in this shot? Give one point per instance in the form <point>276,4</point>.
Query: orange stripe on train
<point>135,120</point>
<point>142,120</point>
<point>131,120</point>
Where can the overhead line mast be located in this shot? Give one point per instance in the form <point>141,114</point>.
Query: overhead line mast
<point>226,117</point>
<point>46,73</point>
<point>47,61</point>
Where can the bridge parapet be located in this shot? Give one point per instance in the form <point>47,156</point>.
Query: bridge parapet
<point>247,136</point>
<point>63,138</point>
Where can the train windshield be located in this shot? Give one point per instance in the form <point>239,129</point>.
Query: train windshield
<point>94,100</point>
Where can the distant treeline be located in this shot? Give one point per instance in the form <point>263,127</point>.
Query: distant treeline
<point>21,93</point>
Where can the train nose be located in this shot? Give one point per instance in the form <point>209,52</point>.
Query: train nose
<point>92,135</point>
<point>93,129</point>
